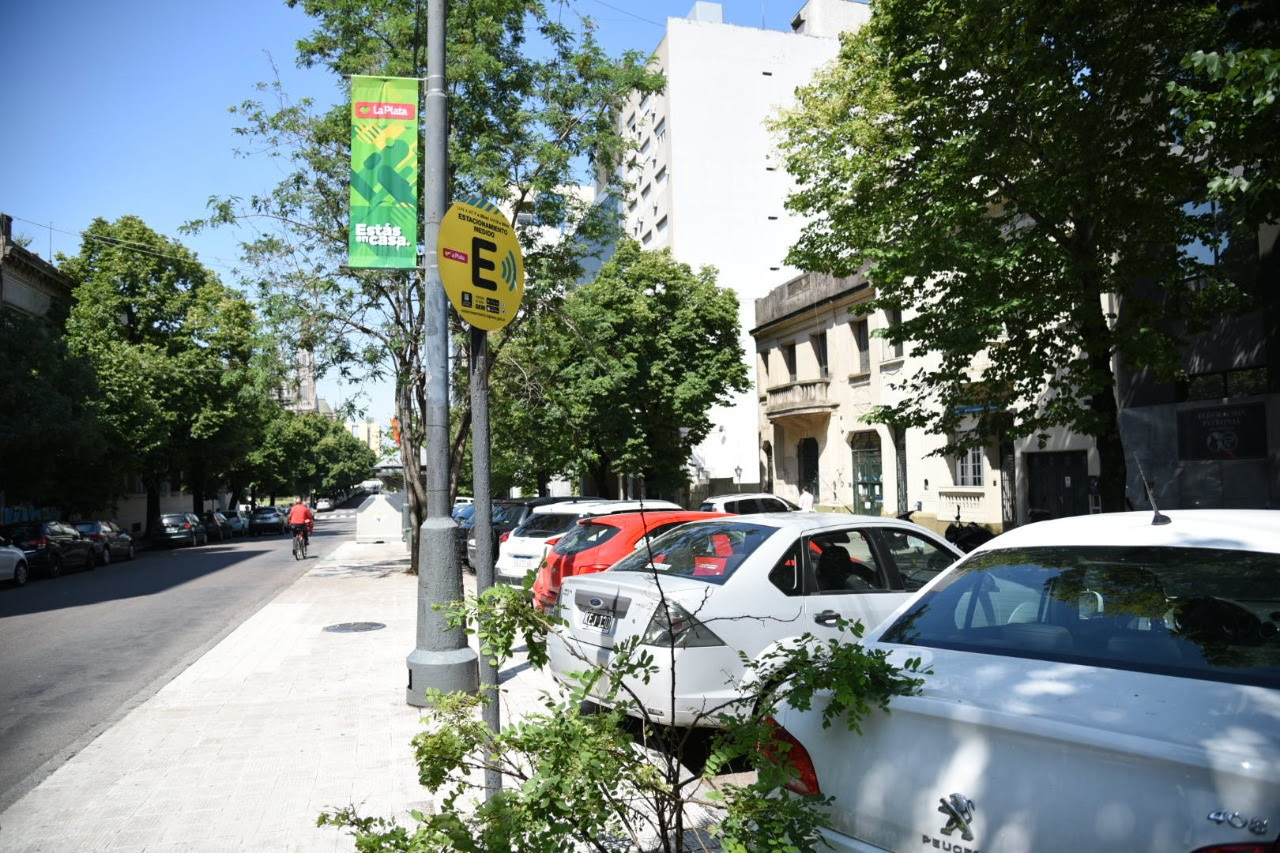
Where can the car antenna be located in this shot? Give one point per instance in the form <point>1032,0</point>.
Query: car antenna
<point>1159,517</point>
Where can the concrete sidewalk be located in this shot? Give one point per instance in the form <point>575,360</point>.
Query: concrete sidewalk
<point>278,722</point>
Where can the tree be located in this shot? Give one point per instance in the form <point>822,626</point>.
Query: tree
<point>621,380</point>
<point>524,120</point>
<point>171,349</point>
<point>1002,172</point>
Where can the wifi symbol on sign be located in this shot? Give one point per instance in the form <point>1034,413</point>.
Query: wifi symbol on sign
<point>509,268</point>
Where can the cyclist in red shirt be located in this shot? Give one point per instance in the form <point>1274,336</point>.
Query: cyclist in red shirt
<point>300,515</point>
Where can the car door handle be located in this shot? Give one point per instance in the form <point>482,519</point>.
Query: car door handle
<point>826,617</point>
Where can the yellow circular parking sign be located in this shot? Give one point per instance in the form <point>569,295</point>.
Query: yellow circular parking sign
<point>481,266</point>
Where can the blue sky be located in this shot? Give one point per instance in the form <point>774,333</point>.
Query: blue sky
<point>121,107</point>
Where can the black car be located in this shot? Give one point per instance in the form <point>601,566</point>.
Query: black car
<point>181,528</point>
<point>217,526</point>
<point>111,541</point>
<point>266,519</point>
<point>51,546</point>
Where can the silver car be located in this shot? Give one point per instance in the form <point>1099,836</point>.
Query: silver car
<point>13,564</point>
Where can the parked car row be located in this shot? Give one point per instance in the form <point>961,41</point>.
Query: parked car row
<point>51,547</point>
<point>1111,682</point>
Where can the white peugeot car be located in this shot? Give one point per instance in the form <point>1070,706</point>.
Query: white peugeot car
<point>701,594</point>
<point>1108,683</point>
<point>523,550</point>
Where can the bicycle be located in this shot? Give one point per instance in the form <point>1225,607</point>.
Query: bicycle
<point>299,542</point>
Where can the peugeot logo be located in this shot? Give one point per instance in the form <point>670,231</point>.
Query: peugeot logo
<point>959,812</point>
<point>595,601</point>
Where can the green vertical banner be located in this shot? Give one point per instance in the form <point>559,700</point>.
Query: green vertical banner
<point>384,173</point>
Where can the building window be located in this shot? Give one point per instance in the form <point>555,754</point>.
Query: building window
<point>819,342</point>
<point>661,177</point>
<point>789,361</point>
<point>660,132</point>
<point>895,319</point>
<point>645,190</point>
<point>647,238</point>
<point>661,226</point>
<point>969,467</point>
<point>861,346</point>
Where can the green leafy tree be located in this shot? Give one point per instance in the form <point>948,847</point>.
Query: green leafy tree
<point>531,101</point>
<point>1008,176</point>
<point>163,336</point>
<point>621,380</point>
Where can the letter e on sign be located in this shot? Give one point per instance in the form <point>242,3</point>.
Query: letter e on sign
<point>481,265</point>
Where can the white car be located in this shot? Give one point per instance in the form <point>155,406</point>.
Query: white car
<point>522,551</point>
<point>323,505</point>
<point>709,590</point>
<point>13,564</point>
<point>1100,683</point>
<point>747,504</point>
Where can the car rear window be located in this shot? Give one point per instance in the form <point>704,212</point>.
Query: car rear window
<point>709,552</point>
<point>541,525</point>
<point>1211,614</point>
<point>586,535</point>
<point>507,513</point>
<point>172,519</point>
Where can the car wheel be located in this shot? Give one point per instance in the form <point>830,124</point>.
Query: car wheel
<point>106,555</point>
<point>20,574</point>
<point>194,542</point>
<point>55,566</point>
<point>132,552</point>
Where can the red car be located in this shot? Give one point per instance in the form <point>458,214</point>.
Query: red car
<point>598,542</point>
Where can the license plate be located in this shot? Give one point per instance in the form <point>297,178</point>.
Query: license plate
<point>598,621</point>
<point>522,560</point>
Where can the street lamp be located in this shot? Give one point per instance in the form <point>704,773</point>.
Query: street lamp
<point>737,477</point>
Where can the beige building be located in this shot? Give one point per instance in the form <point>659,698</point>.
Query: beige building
<point>821,371</point>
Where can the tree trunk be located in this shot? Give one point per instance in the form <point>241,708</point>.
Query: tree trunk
<point>411,461</point>
<point>1112,472</point>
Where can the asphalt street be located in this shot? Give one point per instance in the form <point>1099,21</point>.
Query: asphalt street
<point>78,652</point>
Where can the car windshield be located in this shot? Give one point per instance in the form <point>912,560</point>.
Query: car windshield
<point>709,552</point>
<point>587,534</point>
<point>87,527</point>
<point>266,511</point>
<point>173,519</point>
<point>1202,613</point>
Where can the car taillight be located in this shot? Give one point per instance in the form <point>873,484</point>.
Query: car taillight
<point>782,748</point>
<point>674,627</point>
<point>186,525</point>
<point>504,537</point>
<point>38,542</point>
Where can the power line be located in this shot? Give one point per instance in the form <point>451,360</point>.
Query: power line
<point>123,244</point>
<point>629,13</point>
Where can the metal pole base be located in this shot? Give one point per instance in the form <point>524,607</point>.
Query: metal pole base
<point>447,671</point>
<point>442,660</point>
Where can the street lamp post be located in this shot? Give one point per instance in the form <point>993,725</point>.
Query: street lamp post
<point>737,477</point>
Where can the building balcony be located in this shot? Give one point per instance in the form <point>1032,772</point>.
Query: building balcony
<point>805,398</point>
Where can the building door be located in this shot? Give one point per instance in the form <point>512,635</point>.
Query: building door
<point>868,473</point>
<point>1008,485</point>
<point>807,455</point>
<point>1057,484</point>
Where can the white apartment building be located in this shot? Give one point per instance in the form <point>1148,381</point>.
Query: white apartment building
<point>708,182</point>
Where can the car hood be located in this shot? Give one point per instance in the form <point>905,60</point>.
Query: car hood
<point>1045,751</point>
